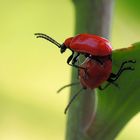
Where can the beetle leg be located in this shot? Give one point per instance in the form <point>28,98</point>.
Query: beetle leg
<point>102,88</point>
<point>74,60</point>
<point>113,77</point>
<point>108,84</point>
<point>96,59</point>
<point>70,58</point>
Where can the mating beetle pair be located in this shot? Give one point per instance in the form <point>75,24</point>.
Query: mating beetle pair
<point>97,67</point>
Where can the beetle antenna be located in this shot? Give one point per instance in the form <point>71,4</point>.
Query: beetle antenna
<point>41,35</point>
<point>72,99</point>
<point>68,85</point>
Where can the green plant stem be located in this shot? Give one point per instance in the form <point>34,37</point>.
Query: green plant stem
<point>92,16</point>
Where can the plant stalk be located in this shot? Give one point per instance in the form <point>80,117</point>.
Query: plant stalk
<point>92,16</point>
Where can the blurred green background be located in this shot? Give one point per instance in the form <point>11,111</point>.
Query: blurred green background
<point>32,70</point>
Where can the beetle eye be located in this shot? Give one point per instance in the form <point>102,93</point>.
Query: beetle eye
<point>63,48</point>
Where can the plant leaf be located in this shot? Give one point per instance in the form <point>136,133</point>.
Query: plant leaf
<point>116,106</point>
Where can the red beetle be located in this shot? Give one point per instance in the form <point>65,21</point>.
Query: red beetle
<point>97,67</point>
<point>94,74</point>
<point>89,45</point>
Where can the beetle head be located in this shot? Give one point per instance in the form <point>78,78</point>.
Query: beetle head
<point>63,48</point>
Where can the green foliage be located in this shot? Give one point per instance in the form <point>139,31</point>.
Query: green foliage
<point>116,106</point>
<point>132,8</point>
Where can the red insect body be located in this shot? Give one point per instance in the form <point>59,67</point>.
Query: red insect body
<point>97,67</point>
<point>95,73</point>
<point>90,44</point>
<point>97,51</point>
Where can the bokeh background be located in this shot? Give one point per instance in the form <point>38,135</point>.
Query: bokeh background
<point>32,70</point>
